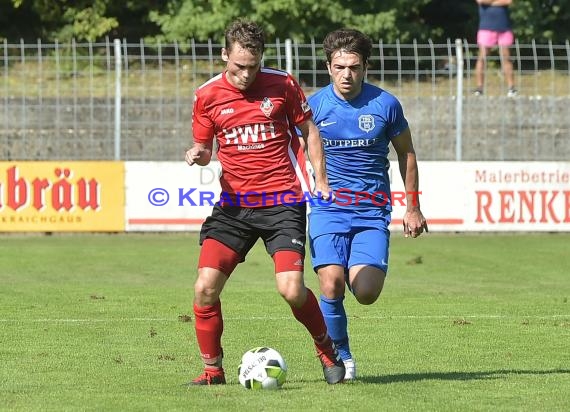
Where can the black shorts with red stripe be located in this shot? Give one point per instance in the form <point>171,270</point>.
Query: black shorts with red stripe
<point>281,227</point>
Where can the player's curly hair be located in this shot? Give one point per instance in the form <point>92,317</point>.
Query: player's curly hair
<point>247,34</point>
<point>349,40</point>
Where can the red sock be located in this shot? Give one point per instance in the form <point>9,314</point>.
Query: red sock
<point>209,326</point>
<point>311,317</point>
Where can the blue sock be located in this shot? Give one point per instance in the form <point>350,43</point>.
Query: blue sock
<point>337,324</point>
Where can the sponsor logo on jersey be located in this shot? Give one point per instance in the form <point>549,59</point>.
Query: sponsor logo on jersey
<point>266,106</point>
<point>242,147</point>
<point>349,142</point>
<point>228,110</point>
<point>366,122</point>
<point>250,134</point>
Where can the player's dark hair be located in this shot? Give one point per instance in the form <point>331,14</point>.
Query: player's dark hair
<point>247,34</point>
<point>349,40</point>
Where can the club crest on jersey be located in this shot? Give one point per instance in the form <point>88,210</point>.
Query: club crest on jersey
<point>366,122</point>
<point>266,106</point>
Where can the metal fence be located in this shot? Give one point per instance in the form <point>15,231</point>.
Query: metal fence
<point>95,101</point>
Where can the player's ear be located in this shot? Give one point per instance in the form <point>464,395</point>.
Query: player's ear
<point>225,56</point>
<point>329,68</point>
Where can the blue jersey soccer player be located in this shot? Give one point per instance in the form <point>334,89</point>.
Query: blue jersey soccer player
<point>349,238</point>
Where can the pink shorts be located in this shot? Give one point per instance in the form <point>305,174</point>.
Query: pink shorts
<point>490,38</point>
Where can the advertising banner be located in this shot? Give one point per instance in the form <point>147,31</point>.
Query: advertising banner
<point>165,196</point>
<point>169,195</point>
<point>454,196</point>
<point>513,196</point>
<point>62,196</point>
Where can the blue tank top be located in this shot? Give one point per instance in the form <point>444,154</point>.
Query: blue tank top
<point>495,18</point>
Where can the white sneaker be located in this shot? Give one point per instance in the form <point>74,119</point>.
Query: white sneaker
<point>350,367</point>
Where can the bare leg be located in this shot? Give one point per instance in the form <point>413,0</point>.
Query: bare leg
<point>480,67</point>
<point>507,66</point>
<point>366,283</point>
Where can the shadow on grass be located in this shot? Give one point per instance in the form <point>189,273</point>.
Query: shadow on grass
<point>456,376</point>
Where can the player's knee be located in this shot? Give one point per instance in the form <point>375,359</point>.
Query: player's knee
<point>367,284</point>
<point>294,294</point>
<point>367,297</point>
<point>332,287</point>
<point>366,293</point>
<point>291,287</point>
<point>205,293</point>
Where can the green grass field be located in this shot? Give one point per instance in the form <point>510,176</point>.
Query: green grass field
<point>104,323</point>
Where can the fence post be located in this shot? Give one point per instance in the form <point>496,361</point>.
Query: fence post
<point>288,56</point>
<point>118,63</point>
<point>459,100</point>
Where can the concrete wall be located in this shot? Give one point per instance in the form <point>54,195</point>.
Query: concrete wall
<point>494,128</point>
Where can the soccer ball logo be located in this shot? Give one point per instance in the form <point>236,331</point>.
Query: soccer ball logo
<point>262,368</point>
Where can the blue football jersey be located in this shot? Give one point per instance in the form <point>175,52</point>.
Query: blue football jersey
<point>356,135</point>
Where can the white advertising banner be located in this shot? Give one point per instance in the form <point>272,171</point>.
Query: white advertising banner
<point>518,196</point>
<point>442,195</point>
<point>454,196</point>
<point>169,196</point>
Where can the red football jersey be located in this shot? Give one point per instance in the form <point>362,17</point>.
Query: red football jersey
<point>262,160</point>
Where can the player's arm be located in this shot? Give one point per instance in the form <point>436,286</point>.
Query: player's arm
<point>203,131</point>
<point>414,220</point>
<point>200,153</point>
<point>314,145</point>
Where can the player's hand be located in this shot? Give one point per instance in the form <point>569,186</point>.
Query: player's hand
<point>324,192</point>
<point>414,224</point>
<point>193,155</point>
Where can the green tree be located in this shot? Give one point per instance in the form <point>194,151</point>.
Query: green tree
<point>88,23</point>
<point>83,20</point>
<point>388,20</point>
<point>296,19</point>
<point>541,20</point>
<point>64,20</point>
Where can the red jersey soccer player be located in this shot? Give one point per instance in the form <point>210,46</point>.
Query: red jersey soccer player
<point>252,113</point>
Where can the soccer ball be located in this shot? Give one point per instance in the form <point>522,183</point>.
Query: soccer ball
<point>262,368</point>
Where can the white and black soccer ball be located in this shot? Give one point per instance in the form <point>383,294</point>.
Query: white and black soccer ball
<point>262,368</point>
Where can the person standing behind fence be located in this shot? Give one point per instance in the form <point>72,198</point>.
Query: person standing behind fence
<point>495,29</point>
<point>251,112</point>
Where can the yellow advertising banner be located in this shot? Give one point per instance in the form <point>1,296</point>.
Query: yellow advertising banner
<point>62,196</point>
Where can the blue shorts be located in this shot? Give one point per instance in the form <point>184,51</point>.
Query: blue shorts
<point>362,246</point>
